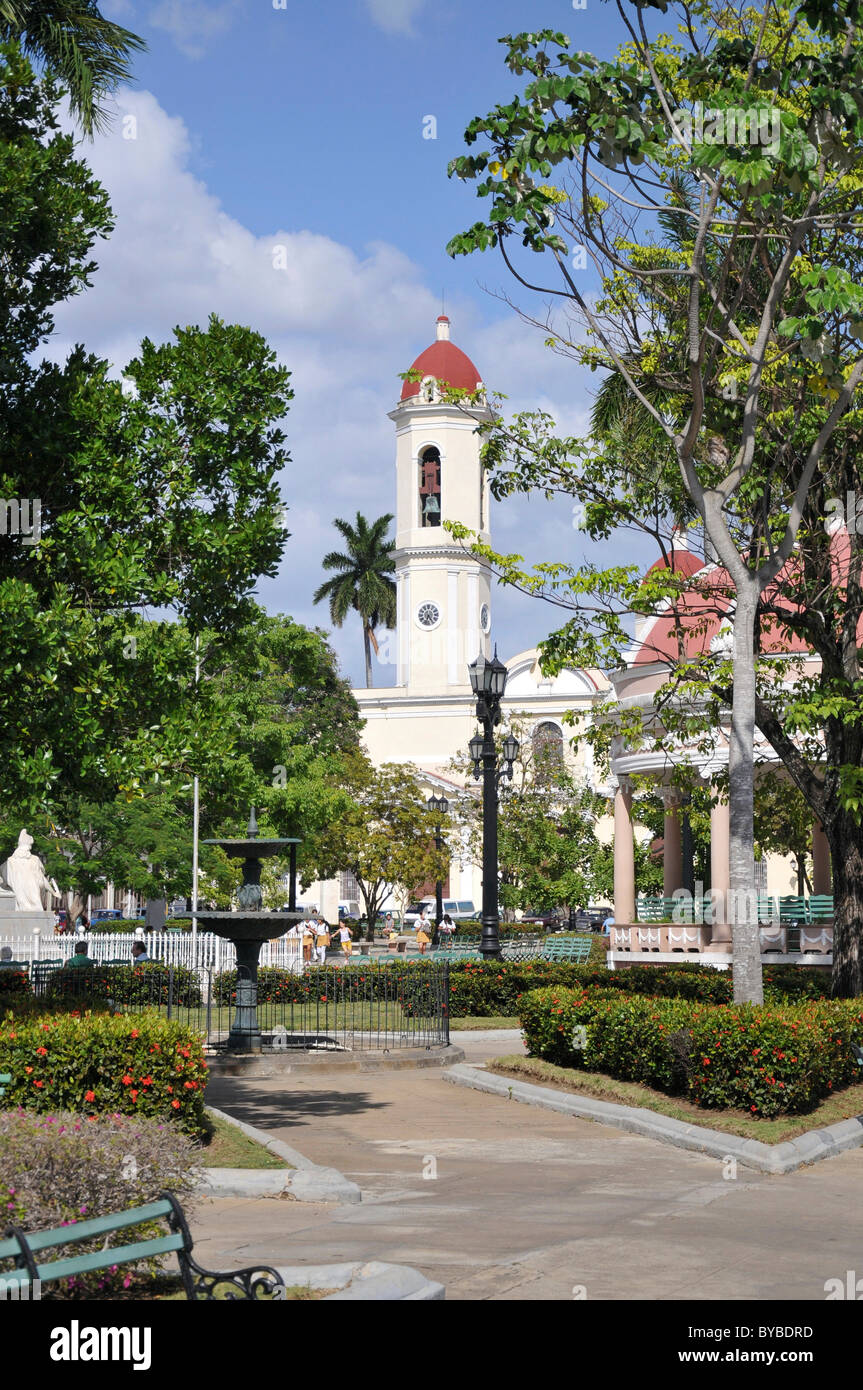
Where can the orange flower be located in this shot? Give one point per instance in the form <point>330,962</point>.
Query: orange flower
<point>176,1104</point>
<point>89,1095</point>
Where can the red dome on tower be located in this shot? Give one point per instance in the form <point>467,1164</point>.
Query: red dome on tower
<point>445,362</point>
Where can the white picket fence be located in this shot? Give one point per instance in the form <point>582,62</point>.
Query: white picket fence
<point>203,952</point>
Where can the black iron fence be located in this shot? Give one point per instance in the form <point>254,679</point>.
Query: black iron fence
<point>386,1006</point>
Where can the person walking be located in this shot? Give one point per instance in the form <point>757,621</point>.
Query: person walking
<point>322,940</point>
<point>423,931</point>
<point>346,939</point>
<point>308,939</point>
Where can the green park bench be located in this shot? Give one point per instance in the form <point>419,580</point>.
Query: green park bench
<point>650,909</point>
<point>256,1281</point>
<point>454,953</point>
<point>570,948</point>
<point>821,907</point>
<point>5,1078</point>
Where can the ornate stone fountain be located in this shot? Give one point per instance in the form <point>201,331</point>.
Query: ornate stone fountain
<point>249,927</point>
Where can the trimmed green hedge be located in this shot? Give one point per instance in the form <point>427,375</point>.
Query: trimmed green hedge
<point>780,1058</point>
<point>128,1065</point>
<point>124,984</point>
<point>480,990</point>
<point>409,984</point>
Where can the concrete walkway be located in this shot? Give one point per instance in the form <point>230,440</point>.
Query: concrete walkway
<point>502,1201</point>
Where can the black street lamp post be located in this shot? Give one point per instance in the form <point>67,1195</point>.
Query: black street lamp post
<point>439,806</point>
<point>488,682</point>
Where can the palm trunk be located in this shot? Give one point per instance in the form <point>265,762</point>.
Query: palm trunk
<point>845,837</point>
<point>368,650</point>
<point>746,944</point>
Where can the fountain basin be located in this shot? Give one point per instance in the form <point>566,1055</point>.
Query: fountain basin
<point>250,926</point>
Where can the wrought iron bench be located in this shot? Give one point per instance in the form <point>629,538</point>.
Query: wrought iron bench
<point>25,1248</point>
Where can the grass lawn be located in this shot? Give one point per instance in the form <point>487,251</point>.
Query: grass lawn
<point>846,1105</point>
<point>318,1017</point>
<point>472,1024</point>
<point>231,1148</point>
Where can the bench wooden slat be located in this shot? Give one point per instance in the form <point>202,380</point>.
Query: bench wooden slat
<point>104,1259</point>
<point>96,1226</point>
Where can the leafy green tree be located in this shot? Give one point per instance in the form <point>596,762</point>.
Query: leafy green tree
<point>74,41</point>
<point>363,581</point>
<point>783,823</point>
<point>731,305</point>
<point>385,836</point>
<point>549,855</point>
<point>154,495</point>
<point>295,732</point>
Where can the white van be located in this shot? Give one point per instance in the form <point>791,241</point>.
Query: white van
<point>454,907</point>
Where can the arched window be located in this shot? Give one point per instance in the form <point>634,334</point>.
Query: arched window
<point>430,509</point>
<point>547,743</point>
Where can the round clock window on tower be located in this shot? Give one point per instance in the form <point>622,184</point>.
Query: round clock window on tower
<point>428,615</point>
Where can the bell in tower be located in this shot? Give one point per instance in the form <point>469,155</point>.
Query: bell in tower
<point>430,509</point>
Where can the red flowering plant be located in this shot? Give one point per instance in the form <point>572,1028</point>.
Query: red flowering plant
<point>94,1064</point>
<point>780,1058</point>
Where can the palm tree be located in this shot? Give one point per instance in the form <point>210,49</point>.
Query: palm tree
<point>74,42</point>
<point>363,581</point>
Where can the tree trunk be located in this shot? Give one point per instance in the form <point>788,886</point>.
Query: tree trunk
<point>746,942</point>
<point>845,836</point>
<point>368,648</point>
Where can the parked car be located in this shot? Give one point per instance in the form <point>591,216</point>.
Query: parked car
<point>552,919</point>
<point>106,914</point>
<point>456,907</point>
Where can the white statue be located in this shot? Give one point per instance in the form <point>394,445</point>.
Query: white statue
<point>26,877</point>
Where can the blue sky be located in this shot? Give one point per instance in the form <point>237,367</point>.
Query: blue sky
<point>302,126</point>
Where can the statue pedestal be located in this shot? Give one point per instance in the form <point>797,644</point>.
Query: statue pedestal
<point>14,922</point>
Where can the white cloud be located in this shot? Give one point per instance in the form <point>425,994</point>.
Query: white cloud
<point>395,16</point>
<point>193,23</point>
<point>344,323</point>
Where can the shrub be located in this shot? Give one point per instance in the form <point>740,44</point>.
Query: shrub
<point>59,1169</point>
<point>407,983</point>
<point>780,1058</point>
<point>130,1064</point>
<point>13,982</point>
<point>150,983</point>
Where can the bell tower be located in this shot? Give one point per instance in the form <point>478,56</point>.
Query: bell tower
<point>443,593</point>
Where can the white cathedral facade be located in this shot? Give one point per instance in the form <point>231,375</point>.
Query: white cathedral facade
<point>445,609</point>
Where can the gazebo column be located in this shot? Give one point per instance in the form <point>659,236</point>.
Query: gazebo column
<point>821,881</point>
<point>720,874</point>
<point>672,856</point>
<point>624,854</point>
